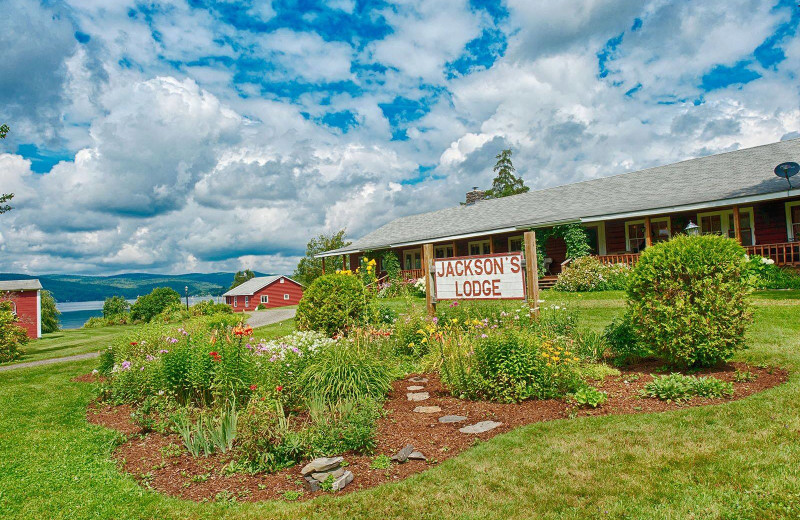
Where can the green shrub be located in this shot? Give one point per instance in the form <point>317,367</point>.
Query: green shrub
<point>333,303</point>
<point>49,313</point>
<point>589,274</point>
<point>12,335</point>
<point>344,426</point>
<point>589,396</point>
<point>261,307</point>
<point>678,387</point>
<point>624,345</point>
<point>268,439</point>
<point>687,299</point>
<point>381,315</point>
<point>115,305</point>
<point>150,305</point>
<point>347,370</point>
<point>762,273</point>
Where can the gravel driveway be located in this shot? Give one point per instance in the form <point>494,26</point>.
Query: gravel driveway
<point>269,316</point>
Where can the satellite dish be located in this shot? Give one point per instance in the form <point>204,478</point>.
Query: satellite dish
<point>787,169</point>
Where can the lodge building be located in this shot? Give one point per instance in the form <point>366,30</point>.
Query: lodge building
<point>736,194</point>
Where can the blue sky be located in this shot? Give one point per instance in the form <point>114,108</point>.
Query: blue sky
<point>206,135</point>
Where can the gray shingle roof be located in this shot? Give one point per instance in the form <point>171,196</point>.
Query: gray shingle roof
<point>252,285</point>
<point>730,175</point>
<point>30,284</point>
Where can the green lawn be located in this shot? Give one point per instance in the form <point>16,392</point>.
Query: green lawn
<point>739,460</point>
<point>73,341</point>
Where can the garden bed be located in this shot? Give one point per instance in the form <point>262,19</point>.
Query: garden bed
<point>160,462</point>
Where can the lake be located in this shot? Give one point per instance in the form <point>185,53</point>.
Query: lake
<point>75,314</point>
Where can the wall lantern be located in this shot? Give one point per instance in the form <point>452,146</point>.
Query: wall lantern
<point>692,228</point>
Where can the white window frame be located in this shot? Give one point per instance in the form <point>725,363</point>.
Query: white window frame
<point>725,222</point>
<point>629,223</point>
<point>282,280</point>
<point>444,247</point>
<point>412,251</point>
<point>789,231</point>
<point>521,239</point>
<point>246,301</point>
<point>480,243</point>
<point>601,236</point>
<point>285,296</point>
<point>265,298</point>
<point>235,301</point>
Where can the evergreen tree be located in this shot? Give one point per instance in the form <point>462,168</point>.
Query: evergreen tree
<point>5,197</point>
<point>505,183</point>
<point>310,268</point>
<point>242,276</point>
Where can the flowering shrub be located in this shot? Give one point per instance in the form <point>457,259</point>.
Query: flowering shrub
<point>687,299</point>
<point>762,273</point>
<point>333,303</point>
<point>589,274</point>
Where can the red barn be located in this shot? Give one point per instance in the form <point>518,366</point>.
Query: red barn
<point>271,291</point>
<point>26,302</point>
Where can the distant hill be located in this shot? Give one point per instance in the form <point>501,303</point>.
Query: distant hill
<point>77,288</point>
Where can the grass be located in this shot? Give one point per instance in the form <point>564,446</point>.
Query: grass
<point>739,460</point>
<point>70,342</point>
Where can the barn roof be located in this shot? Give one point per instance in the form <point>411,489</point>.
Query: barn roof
<point>253,285</point>
<point>726,178</point>
<point>31,284</point>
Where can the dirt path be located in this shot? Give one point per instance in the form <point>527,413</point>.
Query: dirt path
<point>76,357</point>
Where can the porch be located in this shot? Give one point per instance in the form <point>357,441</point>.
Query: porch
<point>782,253</point>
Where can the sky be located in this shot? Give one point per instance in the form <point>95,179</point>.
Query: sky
<point>211,135</point>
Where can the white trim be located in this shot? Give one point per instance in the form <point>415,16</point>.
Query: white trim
<point>285,296</point>
<point>697,206</point>
<point>725,222</point>
<point>38,314</point>
<point>247,301</point>
<point>668,220</point>
<point>235,301</point>
<point>521,238</point>
<point>601,236</point>
<point>265,298</point>
<point>789,231</point>
<point>453,237</point>
<point>480,243</point>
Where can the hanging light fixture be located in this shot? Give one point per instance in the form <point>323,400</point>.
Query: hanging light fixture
<point>692,228</point>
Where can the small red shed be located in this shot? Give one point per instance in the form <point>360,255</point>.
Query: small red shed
<point>26,301</point>
<point>271,291</point>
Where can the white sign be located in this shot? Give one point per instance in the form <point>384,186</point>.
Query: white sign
<point>488,277</point>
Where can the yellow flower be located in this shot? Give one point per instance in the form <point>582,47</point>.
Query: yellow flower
<point>420,331</point>
<point>575,359</point>
<point>548,364</point>
<point>424,340</point>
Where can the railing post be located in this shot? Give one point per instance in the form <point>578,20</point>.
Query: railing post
<point>532,272</point>
<point>427,267</point>
<point>737,226</point>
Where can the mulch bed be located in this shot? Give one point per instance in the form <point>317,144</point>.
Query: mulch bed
<point>203,478</point>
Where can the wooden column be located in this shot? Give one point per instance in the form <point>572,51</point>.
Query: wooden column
<point>532,272</point>
<point>491,245</point>
<point>648,233</point>
<point>344,263</point>
<point>737,225</point>
<point>323,265</point>
<point>427,267</point>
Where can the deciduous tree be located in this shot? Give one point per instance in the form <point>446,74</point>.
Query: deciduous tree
<point>310,268</point>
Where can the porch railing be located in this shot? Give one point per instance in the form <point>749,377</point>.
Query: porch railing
<point>628,259</point>
<point>411,274</point>
<point>784,253</point>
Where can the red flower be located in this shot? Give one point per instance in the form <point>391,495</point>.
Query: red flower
<point>215,355</point>
<point>134,343</point>
<point>253,388</point>
<point>278,388</point>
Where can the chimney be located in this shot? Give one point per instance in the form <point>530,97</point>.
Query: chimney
<point>475,195</point>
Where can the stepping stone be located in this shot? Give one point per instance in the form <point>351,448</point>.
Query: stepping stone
<point>414,388</point>
<point>322,476</point>
<point>416,455</point>
<point>342,481</point>
<point>417,379</point>
<point>427,409</point>
<point>321,464</point>
<point>402,455</point>
<point>452,418</point>
<point>483,426</point>
<point>419,396</point>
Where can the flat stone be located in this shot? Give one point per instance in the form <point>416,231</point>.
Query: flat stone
<point>414,388</point>
<point>402,455</point>
<point>417,379</point>
<point>417,396</point>
<point>483,426</point>
<point>322,476</point>
<point>416,455</point>
<point>313,485</point>
<point>427,409</point>
<point>321,464</point>
<point>340,483</point>
<point>452,418</point>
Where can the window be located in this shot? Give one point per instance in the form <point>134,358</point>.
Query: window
<point>412,259</point>
<point>246,301</point>
<point>515,244</point>
<point>793,221</point>
<point>281,280</point>
<point>635,237</point>
<point>444,252</point>
<point>721,223</point>
<point>285,296</point>
<point>265,299</point>
<point>235,303</point>
<point>596,235</point>
<point>13,308</point>
<point>480,247</point>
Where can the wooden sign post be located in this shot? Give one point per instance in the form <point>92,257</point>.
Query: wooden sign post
<point>532,272</point>
<point>427,267</point>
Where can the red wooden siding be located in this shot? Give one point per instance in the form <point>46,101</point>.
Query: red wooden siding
<point>27,305</point>
<point>275,293</point>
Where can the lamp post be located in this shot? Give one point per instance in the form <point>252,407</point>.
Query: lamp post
<point>692,229</point>
<point>186,290</point>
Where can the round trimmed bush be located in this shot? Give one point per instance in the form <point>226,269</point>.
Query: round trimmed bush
<point>687,299</point>
<point>333,303</point>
